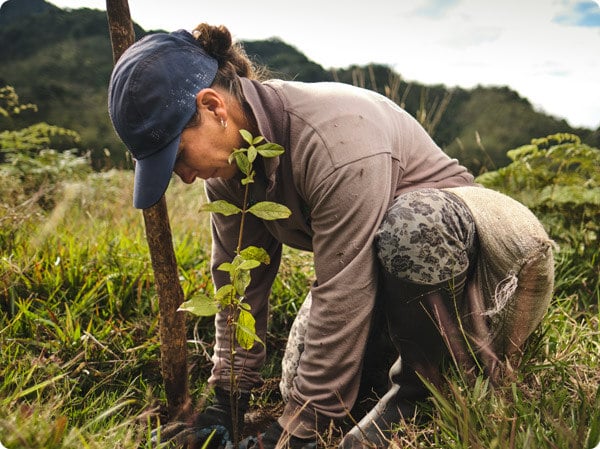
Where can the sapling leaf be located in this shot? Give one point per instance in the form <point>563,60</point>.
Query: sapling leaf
<point>223,295</point>
<point>237,260</point>
<point>268,210</point>
<point>231,157</point>
<point>200,305</point>
<point>257,139</point>
<point>246,135</point>
<point>241,282</point>
<point>245,331</point>
<point>270,150</point>
<point>248,179</point>
<point>256,253</point>
<point>225,266</point>
<point>241,159</point>
<point>220,207</point>
<point>249,264</point>
<point>252,152</point>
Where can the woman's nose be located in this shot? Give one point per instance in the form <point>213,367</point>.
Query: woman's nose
<point>187,175</point>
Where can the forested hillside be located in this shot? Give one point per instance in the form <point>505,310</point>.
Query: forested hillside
<point>61,61</point>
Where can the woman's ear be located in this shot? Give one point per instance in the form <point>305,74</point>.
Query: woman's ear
<point>210,102</point>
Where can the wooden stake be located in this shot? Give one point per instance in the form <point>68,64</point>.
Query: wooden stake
<point>173,349</point>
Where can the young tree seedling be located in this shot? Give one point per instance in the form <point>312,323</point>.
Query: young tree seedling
<point>230,297</point>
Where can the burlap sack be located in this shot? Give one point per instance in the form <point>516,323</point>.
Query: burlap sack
<point>514,277</point>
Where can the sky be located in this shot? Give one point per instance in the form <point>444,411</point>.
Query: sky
<point>546,50</point>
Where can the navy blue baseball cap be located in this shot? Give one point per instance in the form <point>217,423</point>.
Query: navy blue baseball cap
<point>151,97</point>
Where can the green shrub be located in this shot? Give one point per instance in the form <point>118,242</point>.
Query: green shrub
<point>32,173</point>
<point>558,178</point>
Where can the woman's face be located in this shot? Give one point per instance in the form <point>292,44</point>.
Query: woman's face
<point>205,146</point>
<point>204,151</point>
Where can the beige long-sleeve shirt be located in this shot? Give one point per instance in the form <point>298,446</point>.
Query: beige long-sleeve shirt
<point>349,153</point>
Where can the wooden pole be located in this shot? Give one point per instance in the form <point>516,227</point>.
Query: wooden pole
<point>173,349</point>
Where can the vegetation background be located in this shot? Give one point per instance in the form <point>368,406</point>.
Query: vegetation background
<point>79,349</point>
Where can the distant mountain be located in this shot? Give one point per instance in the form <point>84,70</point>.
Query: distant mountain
<point>13,10</point>
<point>61,60</point>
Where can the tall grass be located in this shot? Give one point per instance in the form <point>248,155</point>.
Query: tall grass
<point>80,351</point>
<point>79,316</point>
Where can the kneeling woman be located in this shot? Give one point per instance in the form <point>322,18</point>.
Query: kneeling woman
<point>386,213</point>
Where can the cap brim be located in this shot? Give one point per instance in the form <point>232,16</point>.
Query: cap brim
<point>153,174</point>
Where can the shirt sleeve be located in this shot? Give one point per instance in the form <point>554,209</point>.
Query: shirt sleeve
<point>225,232</point>
<point>346,209</point>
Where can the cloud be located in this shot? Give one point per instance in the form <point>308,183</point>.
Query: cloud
<point>472,36</point>
<point>435,9</point>
<point>579,13</point>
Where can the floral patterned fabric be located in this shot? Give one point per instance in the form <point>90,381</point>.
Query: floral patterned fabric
<point>294,348</point>
<point>427,237</point>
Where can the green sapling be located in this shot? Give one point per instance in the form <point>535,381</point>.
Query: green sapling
<point>230,297</point>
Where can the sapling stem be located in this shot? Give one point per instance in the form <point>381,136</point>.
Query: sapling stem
<point>233,392</point>
<point>244,210</point>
